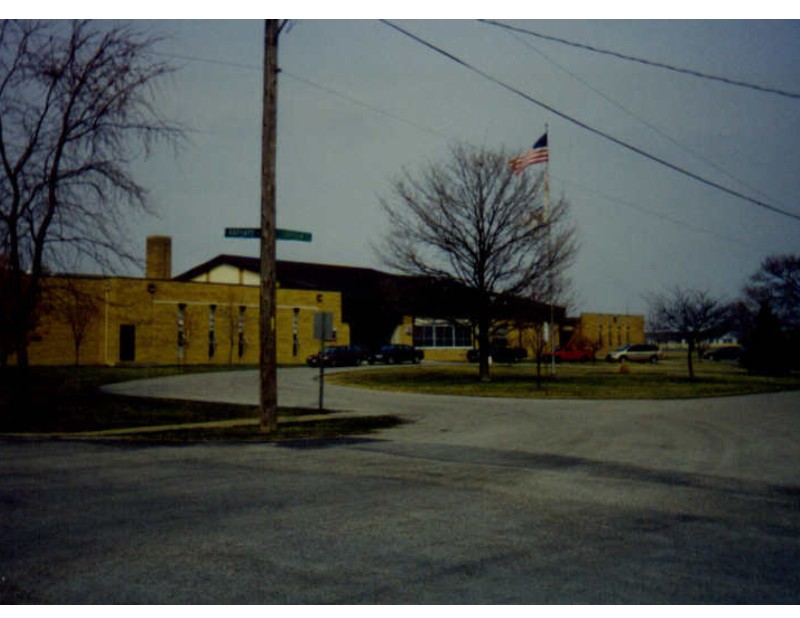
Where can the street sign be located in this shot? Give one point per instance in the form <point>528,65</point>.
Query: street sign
<point>254,232</point>
<point>323,325</point>
<point>242,232</point>
<point>292,235</point>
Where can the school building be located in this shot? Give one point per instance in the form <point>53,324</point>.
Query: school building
<point>209,314</point>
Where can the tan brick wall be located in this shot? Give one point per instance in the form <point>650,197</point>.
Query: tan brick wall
<point>609,331</point>
<point>159,257</point>
<point>153,309</point>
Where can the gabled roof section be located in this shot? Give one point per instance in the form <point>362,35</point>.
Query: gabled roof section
<point>366,290</point>
<point>238,261</point>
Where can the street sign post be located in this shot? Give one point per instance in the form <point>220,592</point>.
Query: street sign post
<point>254,232</point>
<point>323,330</point>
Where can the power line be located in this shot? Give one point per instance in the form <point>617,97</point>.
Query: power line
<point>639,118</point>
<point>308,82</point>
<point>428,130</point>
<point>589,128</point>
<point>372,108</point>
<point>660,65</point>
<point>727,239</point>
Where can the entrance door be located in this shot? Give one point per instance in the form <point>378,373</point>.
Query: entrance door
<point>127,342</point>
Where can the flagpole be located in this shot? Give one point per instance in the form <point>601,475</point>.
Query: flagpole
<point>539,153</point>
<point>550,257</point>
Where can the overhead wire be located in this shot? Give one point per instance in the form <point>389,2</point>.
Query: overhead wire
<point>308,82</point>
<point>337,93</point>
<point>589,128</point>
<point>352,100</point>
<point>645,122</point>
<point>652,63</point>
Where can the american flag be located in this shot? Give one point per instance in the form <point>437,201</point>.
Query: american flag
<point>538,154</point>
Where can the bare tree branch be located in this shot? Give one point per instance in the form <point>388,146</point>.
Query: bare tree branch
<point>471,220</point>
<point>694,315</point>
<point>76,108</point>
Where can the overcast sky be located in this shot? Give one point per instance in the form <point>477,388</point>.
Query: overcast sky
<point>358,102</point>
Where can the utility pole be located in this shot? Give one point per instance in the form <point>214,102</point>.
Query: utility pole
<point>268,408</point>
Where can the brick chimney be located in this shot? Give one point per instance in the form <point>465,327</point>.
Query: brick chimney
<point>159,257</point>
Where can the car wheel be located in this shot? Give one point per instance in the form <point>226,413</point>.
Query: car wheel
<point>622,359</point>
<point>654,359</point>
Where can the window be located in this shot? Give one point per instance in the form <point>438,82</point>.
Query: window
<point>212,343</point>
<point>181,323</point>
<point>240,331</point>
<point>442,334</point>
<point>295,331</point>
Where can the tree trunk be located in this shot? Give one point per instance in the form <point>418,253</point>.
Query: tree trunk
<point>689,358</point>
<point>484,370</point>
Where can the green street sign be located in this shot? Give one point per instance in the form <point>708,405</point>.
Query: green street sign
<point>242,232</point>
<point>292,235</point>
<point>254,232</point>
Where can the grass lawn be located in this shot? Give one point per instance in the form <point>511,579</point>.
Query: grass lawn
<point>665,380</point>
<point>68,400</point>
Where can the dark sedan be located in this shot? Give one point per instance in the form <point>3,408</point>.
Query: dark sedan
<point>338,356</point>
<point>726,353</point>
<point>394,354</point>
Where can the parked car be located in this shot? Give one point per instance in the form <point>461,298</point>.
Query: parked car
<point>726,353</point>
<point>392,354</point>
<point>501,354</point>
<point>571,354</point>
<point>641,352</point>
<point>338,356</point>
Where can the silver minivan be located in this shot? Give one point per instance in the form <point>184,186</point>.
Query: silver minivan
<point>640,352</point>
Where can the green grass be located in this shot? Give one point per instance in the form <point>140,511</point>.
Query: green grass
<point>665,380</point>
<point>66,400</point>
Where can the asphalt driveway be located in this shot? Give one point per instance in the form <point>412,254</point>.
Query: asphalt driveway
<point>476,501</point>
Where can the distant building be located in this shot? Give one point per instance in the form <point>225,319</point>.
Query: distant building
<point>604,331</point>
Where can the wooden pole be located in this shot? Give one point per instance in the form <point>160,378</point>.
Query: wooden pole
<point>268,408</point>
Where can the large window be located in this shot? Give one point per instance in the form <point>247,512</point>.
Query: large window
<point>442,334</point>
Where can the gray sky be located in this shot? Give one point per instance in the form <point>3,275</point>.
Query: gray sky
<point>358,102</point>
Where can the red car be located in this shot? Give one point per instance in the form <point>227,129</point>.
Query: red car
<point>572,354</point>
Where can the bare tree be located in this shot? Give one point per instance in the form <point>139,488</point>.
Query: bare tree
<point>471,220</point>
<point>75,110</point>
<point>777,283</point>
<point>768,317</point>
<point>692,314</point>
<point>74,305</point>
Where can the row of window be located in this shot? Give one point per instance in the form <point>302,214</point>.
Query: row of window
<point>611,339</point>
<point>443,336</point>
<point>212,338</point>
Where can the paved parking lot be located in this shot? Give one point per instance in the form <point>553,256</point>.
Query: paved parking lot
<point>476,501</point>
